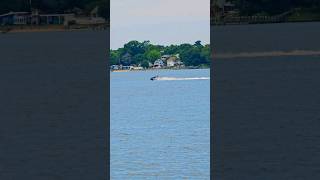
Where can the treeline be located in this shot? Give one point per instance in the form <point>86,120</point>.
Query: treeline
<point>272,7</point>
<point>56,6</point>
<point>143,53</point>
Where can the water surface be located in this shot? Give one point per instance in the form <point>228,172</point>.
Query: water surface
<point>267,102</point>
<point>160,129</point>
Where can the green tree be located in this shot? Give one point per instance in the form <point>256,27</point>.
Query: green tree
<point>195,55</point>
<point>137,59</point>
<point>145,64</point>
<point>152,55</point>
<point>134,48</point>
<point>131,54</point>
<point>114,57</point>
<point>126,59</point>
<point>172,49</point>
<point>206,54</point>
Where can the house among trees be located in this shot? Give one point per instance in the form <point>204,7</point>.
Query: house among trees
<point>146,55</point>
<point>174,61</point>
<point>165,57</point>
<point>222,8</point>
<point>93,19</point>
<point>168,61</point>
<point>36,18</point>
<point>15,18</point>
<point>158,64</point>
<point>33,18</point>
<point>171,62</point>
<point>115,67</point>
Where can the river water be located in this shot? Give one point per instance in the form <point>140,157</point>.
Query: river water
<point>160,129</point>
<point>267,101</point>
<point>53,105</point>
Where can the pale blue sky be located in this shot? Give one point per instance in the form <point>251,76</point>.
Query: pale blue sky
<point>162,22</point>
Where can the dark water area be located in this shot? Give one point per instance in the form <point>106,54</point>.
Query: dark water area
<point>265,37</point>
<point>53,105</point>
<point>266,109</point>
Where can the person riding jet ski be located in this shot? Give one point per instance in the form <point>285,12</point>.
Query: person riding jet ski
<point>154,78</point>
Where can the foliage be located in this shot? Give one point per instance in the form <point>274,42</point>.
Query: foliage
<point>143,53</point>
<point>114,57</point>
<point>272,7</point>
<point>152,55</point>
<point>145,64</point>
<point>56,6</point>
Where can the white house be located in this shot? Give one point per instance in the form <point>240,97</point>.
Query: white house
<point>174,61</point>
<point>171,62</point>
<point>158,63</point>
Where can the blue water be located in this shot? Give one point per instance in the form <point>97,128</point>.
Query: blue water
<point>160,129</point>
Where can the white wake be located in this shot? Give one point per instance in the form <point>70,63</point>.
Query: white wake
<point>180,79</point>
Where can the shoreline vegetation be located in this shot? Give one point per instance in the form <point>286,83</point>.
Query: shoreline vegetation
<point>49,28</point>
<point>236,12</point>
<point>136,55</point>
<point>223,12</point>
<point>163,69</point>
<point>57,6</point>
<point>48,15</point>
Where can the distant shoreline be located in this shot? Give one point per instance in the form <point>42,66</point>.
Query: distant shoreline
<point>47,28</point>
<point>267,54</point>
<point>157,69</point>
<point>293,15</point>
<point>264,23</point>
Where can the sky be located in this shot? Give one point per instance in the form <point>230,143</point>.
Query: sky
<point>163,22</point>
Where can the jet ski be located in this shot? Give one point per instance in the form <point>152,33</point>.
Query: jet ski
<point>154,78</point>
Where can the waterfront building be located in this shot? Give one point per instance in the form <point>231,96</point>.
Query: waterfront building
<point>115,67</point>
<point>165,57</point>
<point>173,61</point>
<point>158,64</point>
<point>56,19</point>
<point>221,8</point>
<point>15,18</point>
<point>36,18</point>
